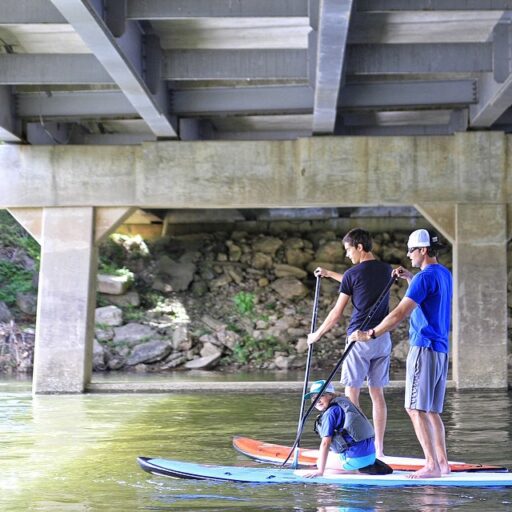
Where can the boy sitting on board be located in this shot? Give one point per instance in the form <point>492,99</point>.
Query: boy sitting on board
<point>347,436</point>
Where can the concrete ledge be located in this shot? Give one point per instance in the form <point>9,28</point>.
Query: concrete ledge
<point>212,387</point>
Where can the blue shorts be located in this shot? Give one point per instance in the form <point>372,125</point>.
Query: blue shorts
<point>354,463</point>
<point>368,359</point>
<point>425,383</point>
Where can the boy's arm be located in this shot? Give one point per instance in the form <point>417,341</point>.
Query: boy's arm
<point>322,458</point>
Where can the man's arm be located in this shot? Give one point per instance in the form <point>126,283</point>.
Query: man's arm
<point>331,320</point>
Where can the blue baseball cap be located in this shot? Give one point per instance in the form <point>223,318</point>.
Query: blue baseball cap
<point>317,386</point>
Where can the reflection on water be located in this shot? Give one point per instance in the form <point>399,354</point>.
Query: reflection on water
<point>78,452</point>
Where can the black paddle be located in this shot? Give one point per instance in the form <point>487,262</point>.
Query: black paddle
<point>306,376</point>
<point>366,321</point>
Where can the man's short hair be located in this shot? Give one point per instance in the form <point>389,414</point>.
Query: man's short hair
<point>358,236</point>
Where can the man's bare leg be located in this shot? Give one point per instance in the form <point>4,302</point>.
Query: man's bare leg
<point>424,433</point>
<point>437,427</point>
<point>380,416</point>
<point>353,394</point>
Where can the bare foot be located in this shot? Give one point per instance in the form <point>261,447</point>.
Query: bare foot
<point>426,472</point>
<point>445,468</point>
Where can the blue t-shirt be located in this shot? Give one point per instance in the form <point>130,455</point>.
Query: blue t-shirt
<point>431,289</point>
<point>364,283</point>
<point>333,419</point>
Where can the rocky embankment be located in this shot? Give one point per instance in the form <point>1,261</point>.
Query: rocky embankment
<point>217,300</point>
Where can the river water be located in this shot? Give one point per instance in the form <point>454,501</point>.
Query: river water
<point>78,452</point>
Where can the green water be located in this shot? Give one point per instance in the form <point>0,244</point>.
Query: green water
<point>78,452</point>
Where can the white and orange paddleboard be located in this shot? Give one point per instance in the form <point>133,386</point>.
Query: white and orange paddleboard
<point>277,454</point>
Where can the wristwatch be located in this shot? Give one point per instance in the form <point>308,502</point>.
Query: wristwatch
<point>371,332</point>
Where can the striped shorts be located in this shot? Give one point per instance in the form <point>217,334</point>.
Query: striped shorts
<point>425,384</point>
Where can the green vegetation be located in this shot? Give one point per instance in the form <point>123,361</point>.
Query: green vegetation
<point>244,303</point>
<point>13,279</point>
<point>251,350</point>
<point>14,235</point>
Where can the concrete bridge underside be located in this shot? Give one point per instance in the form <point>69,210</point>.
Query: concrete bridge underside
<point>71,197</point>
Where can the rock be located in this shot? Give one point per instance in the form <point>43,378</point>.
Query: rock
<point>213,324</point>
<point>331,251</point>
<point>204,363</point>
<point>5,313</point>
<point>236,276</point>
<point>220,282</point>
<point>199,288</point>
<point>161,286</point>
<point>267,245</point>
<point>289,270</point>
<point>263,282</point>
<point>180,274</point>
<point>109,315</point>
<point>149,352</point>
<point>112,285</point>
<point>298,257</point>
<point>209,349</point>
<point>283,362</point>
<point>261,261</point>
<point>228,338</point>
<point>116,362</point>
<point>173,361</point>
<point>27,303</point>
<point>302,346</point>
<point>180,338</point>
<point>235,251</point>
<point>400,350</point>
<point>98,357</point>
<point>289,288</point>
<point>130,298</point>
<point>104,334</point>
<point>133,333</point>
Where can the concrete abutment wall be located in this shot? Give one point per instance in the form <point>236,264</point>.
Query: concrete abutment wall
<point>462,184</point>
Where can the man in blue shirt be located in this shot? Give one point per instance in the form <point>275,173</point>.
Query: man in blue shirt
<point>428,301</point>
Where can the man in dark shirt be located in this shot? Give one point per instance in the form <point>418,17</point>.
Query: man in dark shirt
<point>363,284</point>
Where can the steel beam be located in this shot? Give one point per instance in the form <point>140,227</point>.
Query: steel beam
<point>29,11</point>
<point>67,105</point>
<point>235,64</point>
<point>25,68</point>
<point>433,5</point>
<point>8,131</point>
<point>334,22</point>
<point>163,9</point>
<point>420,58</point>
<point>403,94</point>
<point>122,59</point>
<point>494,100</point>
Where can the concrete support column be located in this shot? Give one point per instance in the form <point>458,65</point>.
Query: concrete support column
<point>66,300</point>
<point>480,296</point>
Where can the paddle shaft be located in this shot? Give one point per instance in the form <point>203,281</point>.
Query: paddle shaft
<point>363,326</point>
<point>314,318</point>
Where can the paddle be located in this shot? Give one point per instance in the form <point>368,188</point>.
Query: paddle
<point>306,376</point>
<point>363,326</point>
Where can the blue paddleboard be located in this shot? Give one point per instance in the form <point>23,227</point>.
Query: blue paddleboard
<point>189,470</point>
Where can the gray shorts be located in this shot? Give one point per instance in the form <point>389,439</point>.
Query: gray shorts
<point>368,359</point>
<point>425,383</point>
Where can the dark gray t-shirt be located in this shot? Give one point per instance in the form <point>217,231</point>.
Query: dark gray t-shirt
<point>364,283</point>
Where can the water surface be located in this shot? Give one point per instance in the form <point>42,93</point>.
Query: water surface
<point>78,452</point>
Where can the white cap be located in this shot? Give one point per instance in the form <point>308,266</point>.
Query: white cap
<point>419,238</point>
